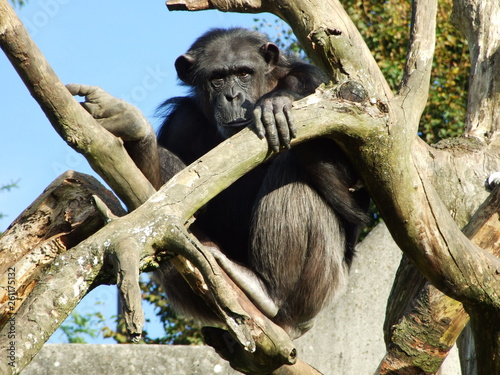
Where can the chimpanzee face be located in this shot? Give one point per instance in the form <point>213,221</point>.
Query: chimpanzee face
<point>228,80</point>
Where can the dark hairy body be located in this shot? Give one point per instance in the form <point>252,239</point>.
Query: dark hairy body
<point>292,221</point>
<point>286,231</point>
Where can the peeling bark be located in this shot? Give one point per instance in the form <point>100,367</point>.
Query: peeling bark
<point>63,216</point>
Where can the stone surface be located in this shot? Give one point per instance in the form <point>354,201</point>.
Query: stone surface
<point>86,359</point>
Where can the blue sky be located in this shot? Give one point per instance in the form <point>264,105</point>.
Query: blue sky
<point>126,47</point>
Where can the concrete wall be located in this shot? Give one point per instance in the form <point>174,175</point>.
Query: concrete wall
<point>84,359</point>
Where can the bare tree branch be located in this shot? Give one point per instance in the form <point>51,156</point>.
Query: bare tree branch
<point>479,21</point>
<point>414,88</point>
<point>67,117</point>
<point>429,313</point>
<point>41,238</point>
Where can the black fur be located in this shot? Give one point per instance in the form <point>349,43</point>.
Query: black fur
<point>293,221</point>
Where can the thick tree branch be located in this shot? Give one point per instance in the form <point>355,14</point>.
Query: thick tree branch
<point>422,225</point>
<point>479,21</point>
<point>428,313</point>
<point>414,88</point>
<point>60,218</point>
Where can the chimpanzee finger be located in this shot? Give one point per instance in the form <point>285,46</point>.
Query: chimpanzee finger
<point>271,130</point>
<point>94,109</point>
<point>259,127</point>
<point>91,93</point>
<point>77,89</point>
<point>282,126</point>
<point>289,118</point>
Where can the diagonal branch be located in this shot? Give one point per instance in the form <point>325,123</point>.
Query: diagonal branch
<point>479,21</point>
<point>67,116</point>
<point>428,315</point>
<point>414,88</point>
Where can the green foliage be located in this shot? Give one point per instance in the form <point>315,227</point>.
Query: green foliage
<point>178,331</point>
<point>19,3</point>
<point>445,114</point>
<point>120,335</point>
<point>78,326</point>
<point>385,28</point>
<point>9,187</point>
<point>281,34</point>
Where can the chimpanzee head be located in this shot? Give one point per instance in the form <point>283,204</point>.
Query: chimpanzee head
<point>229,70</point>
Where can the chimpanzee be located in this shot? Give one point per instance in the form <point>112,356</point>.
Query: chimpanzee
<point>287,230</point>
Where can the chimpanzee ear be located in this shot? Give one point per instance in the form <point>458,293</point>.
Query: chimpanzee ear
<point>271,53</point>
<point>183,65</point>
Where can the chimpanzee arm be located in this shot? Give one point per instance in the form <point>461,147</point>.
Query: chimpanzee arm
<point>127,122</point>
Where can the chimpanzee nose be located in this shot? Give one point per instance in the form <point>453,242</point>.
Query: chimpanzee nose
<point>232,94</point>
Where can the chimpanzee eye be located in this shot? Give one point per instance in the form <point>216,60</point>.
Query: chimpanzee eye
<point>244,74</point>
<point>217,82</point>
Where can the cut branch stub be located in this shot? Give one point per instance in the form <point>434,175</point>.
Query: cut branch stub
<point>250,6</point>
<point>188,5</point>
<point>126,266</point>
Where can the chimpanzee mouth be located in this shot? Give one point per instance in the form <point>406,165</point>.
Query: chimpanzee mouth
<point>240,123</point>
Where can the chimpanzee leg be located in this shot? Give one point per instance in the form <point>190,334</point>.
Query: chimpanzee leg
<point>297,245</point>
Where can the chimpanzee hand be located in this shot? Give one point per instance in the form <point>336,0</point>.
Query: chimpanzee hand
<point>273,118</point>
<point>115,115</point>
